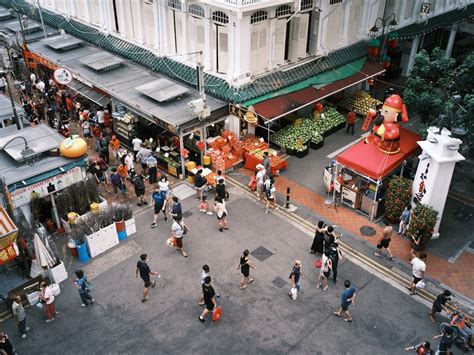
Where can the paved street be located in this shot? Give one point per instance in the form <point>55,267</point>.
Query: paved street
<point>260,319</point>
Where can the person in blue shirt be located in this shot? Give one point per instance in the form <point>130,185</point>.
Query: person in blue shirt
<point>347,298</point>
<point>84,288</point>
<point>158,198</point>
<point>404,220</point>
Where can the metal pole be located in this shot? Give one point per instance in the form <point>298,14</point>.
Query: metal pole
<point>41,18</point>
<point>10,94</point>
<point>22,30</point>
<point>288,190</point>
<point>375,200</point>
<point>55,211</point>
<point>181,146</point>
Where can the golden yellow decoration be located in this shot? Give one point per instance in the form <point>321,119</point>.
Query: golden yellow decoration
<point>73,147</point>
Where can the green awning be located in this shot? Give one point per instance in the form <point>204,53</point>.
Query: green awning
<point>321,79</point>
<point>445,20</point>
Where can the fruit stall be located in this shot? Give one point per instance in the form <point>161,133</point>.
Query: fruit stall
<point>359,103</point>
<point>305,133</point>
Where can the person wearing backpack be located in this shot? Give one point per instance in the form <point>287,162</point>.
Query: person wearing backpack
<point>84,288</point>
<point>139,186</point>
<point>270,192</point>
<point>158,198</point>
<point>116,182</point>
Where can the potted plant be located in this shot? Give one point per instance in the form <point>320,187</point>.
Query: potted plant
<point>397,198</point>
<point>374,47</point>
<point>422,222</point>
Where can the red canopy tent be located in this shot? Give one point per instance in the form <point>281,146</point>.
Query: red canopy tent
<point>368,160</point>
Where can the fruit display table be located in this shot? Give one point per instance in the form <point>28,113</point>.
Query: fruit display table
<point>256,157</point>
<point>360,103</point>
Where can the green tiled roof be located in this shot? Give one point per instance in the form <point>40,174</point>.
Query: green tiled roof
<point>446,19</point>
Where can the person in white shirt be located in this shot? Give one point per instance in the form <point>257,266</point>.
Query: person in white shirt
<point>101,117</point>
<point>33,78</point>
<point>47,298</point>
<point>40,85</point>
<point>260,181</point>
<point>270,192</point>
<point>204,274</point>
<point>164,185</point>
<point>137,145</point>
<point>129,159</point>
<point>221,213</point>
<point>51,82</point>
<point>177,232</point>
<point>419,268</point>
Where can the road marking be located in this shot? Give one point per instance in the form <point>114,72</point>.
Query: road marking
<point>108,261</point>
<point>340,150</point>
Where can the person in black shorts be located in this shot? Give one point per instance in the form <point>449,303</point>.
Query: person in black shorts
<point>158,198</point>
<point>209,298</point>
<point>6,346</point>
<point>245,265</point>
<point>439,305</point>
<point>144,270</point>
<point>139,186</point>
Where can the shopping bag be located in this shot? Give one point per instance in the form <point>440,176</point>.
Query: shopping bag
<point>171,242</point>
<point>294,293</point>
<point>420,284</point>
<point>216,315</point>
<point>55,289</point>
<point>318,263</point>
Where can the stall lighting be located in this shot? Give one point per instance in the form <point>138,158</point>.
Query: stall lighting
<point>62,169</point>
<point>392,26</point>
<point>374,32</point>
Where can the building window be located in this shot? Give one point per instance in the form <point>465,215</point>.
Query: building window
<point>335,2</point>
<point>175,4</point>
<point>196,10</point>
<point>258,16</point>
<point>283,11</point>
<point>306,5</point>
<point>220,17</point>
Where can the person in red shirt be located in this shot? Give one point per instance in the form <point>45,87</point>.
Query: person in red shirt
<point>70,106</point>
<point>351,116</point>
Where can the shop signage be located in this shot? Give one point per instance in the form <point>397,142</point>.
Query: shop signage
<point>243,113</point>
<point>62,76</point>
<point>46,187</point>
<point>36,59</point>
<point>327,179</point>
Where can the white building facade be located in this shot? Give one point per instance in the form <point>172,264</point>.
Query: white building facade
<point>243,39</point>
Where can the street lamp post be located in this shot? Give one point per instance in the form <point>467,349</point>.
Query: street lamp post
<point>392,26</point>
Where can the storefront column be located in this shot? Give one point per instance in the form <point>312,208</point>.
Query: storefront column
<point>452,37</point>
<point>202,129</point>
<point>181,146</point>
<point>411,59</point>
<point>157,29</point>
<point>207,42</point>
<point>55,212</point>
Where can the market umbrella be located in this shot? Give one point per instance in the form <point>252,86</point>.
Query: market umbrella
<point>43,257</point>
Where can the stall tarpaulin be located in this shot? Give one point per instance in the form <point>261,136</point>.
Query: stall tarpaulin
<point>368,160</point>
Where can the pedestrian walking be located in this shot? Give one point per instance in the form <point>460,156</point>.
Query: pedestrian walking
<point>260,181</point>
<point>177,232</point>
<point>116,182</point>
<point>200,184</point>
<point>176,210</point>
<point>84,288</point>
<point>295,276</point>
<point>439,305</point>
<point>221,213</point>
<point>336,257</point>
<point>164,185</point>
<point>115,144</point>
<point>266,164</point>
<point>47,299</point>
<point>158,200</point>
<point>325,271</point>
<point>404,220</point>
<point>446,343</point>
<point>152,164</point>
<point>204,274</point>
<point>139,186</point>
<point>142,156</point>
<point>270,193</point>
<point>123,173</point>
<point>137,145</point>
<point>330,237</point>
<point>209,296</point>
<point>203,204</point>
<point>318,241</point>
<point>245,265</point>
<point>347,298</point>
<point>145,273</point>
<point>384,241</point>
<point>351,116</point>
<point>6,347</point>
<point>220,189</point>
<point>20,316</point>
<point>130,161</point>
<point>419,268</point>
<point>423,348</point>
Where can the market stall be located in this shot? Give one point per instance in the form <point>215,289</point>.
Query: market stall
<point>361,172</point>
<point>360,103</point>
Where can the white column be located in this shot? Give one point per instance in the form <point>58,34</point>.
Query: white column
<point>184,29</point>
<point>87,16</point>
<point>271,44</point>
<point>344,34</point>
<point>104,17</point>
<point>163,23</point>
<point>435,170</point>
<point>401,11</point>
<point>122,25</point>
<point>364,26</point>
<point>323,28</point>
<point>208,52</point>
<point>156,27</point>
<point>414,49</point>
<point>140,38</point>
<point>232,51</point>
<point>452,36</point>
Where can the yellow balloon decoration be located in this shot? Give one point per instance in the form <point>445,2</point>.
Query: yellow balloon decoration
<point>73,147</point>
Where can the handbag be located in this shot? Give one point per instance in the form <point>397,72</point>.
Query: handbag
<point>294,293</point>
<point>318,263</point>
<point>217,314</point>
<point>171,242</point>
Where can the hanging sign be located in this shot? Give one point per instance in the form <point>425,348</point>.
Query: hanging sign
<point>425,8</point>
<point>22,196</point>
<point>62,76</point>
<point>243,113</point>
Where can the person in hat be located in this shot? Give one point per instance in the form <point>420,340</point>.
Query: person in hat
<point>385,133</point>
<point>260,181</point>
<point>439,305</point>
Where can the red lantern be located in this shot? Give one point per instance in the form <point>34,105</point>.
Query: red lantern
<point>184,153</point>
<point>318,107</point>
<point>200,145</point>
<point>373,51</point>
<point>371,82</point>
<point>392,43</point>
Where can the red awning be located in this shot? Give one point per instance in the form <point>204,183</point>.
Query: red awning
<point>280,105</point>
<point>368,160</point>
